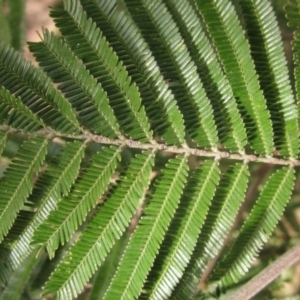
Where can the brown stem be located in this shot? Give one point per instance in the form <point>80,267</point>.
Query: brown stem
<point>265,277</point>
<point>154,146</point>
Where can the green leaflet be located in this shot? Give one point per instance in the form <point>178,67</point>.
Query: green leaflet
<point>73,208</point>
<point>88,43</point>
<point>107,270</point>
<point>55,182</point>
<point>220,217</point>
<point>17,181</point>
<point>231,130</point>
<point>234,53</point>
<point>11,261</point>
<point>172,55</point>
<point>107,225</point>
<point>80,88</point>
<point>270,63</point>
<point>15,114</point>
<point>17,283</point>
<point>257,228</point>
<point>145,241</point>
<point>36,91</point>
<point>127,41</point>
<point>293,15</point>
<point>181,238</point>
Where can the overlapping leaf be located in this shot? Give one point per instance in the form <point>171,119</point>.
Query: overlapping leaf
<point>88,43</point>
<point>181,238</point>
<point>231,131</point>
<point>50,187</point>
<point>126,40</point>
<point>257,228</point>
<point>127,70</point>
<point>174,60</point>
<point>234,53</point>
<point>17,283</point>
<point>80,88</point>
<point>36,91</point>
<point>229,195</point>
<point>145,241</point>
<point>266,48</point>
<point>108,225</point>
<point>15,114</point>
<point>293,15</point>
<point>17,181</point>
<point>73,208</point>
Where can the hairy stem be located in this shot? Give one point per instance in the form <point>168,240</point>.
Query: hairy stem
<point>265,277</point>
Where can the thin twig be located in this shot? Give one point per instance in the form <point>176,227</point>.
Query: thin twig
<point>265,277</point>
<point>154,146</point>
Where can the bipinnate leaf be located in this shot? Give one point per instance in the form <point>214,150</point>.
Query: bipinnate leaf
<point>181,238</point>
<point>229,195</point>
<point>169,49</point>
<point>16,284</point>
<point>74,207</point>
<point>36,91</point>
<point>233,50</point>
<point>108,224</point>
<point>230,126</point>
<point>105,66</point>
<point>48,190</point>
<point>257,228</point>
<point>17,182</point>
<point>80,88</point>
<point>15,114</point>
<point>125,154</point>
<point>292,10</point>
<point>145,241</point>
<point>122,33</point>
<point>267,51</point>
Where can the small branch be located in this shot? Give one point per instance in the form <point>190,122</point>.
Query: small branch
<point>154,146</point>
<point>265,277</point>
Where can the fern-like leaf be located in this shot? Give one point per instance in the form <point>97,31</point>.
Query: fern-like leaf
<point>104,65</point>
<point>73,208</point>
<point>15,114</point>
<point>181,238</point>
<point>97,142</point>
<point>107,226</point>
<point>167,45</point>
<point>293,15</point>
<point>54,183</point>
<point>80,88</point>
<point>234,52</point>
<point>257,228</point>
<point>145,241</point>
<point>127,41</point>
<point>231,130</point>
<point>17,283</point>
<point>267,51</point>
<point>17,182</point>
<point>229,195</point>
<point>36,91</point>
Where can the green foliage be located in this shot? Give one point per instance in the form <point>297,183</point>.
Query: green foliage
<point>138,136</point>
